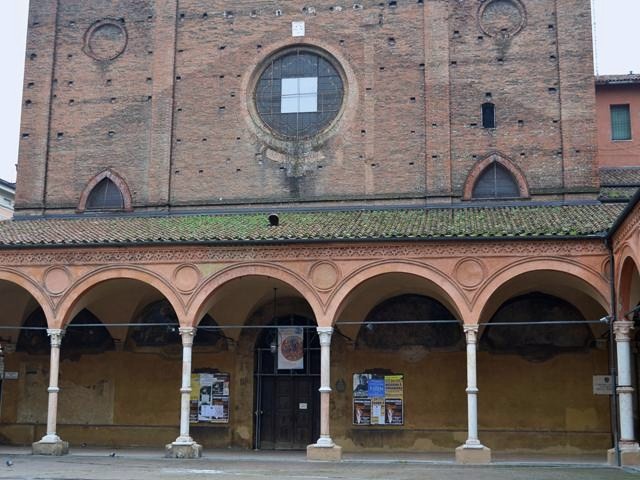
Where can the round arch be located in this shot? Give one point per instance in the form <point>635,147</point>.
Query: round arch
<point>32,287</point>
<point>628,284</point>
<point>445,290</point>
<point>582,278</point>
<point>72,298</point>
<point>204,297</point>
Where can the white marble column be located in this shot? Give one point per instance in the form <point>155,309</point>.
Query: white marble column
<point>325,448</point>
<point>472,451</point>
<point>622,330</point>
<point>51,444</point>
<point>184,446</point>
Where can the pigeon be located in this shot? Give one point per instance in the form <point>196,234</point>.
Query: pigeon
<point>9,463</point>
<point>112,454</point>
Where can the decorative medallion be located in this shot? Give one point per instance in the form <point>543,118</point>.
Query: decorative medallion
<point>56,280</point>
<point>186,278</point>
<point>324,275</point>
<point>470,272</point>
<point>105,40</point>
<point>502,18</point>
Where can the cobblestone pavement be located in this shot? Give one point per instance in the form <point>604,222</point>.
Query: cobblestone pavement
<point>142,466</point>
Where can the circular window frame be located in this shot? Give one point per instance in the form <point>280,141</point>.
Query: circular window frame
<point>272,137</point>
<point>510,33</point>
<point>95,26</point>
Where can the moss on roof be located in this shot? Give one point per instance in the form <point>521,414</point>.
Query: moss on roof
<point>531,221</point>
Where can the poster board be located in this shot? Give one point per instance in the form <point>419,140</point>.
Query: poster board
<point>209,398</point>
<point>378,399</point>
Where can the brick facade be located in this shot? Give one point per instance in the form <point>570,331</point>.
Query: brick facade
<point>170,114</point>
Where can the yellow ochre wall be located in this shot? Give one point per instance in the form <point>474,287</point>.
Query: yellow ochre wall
<point>132,399</point>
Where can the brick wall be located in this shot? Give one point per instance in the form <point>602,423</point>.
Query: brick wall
<point>170,114</point>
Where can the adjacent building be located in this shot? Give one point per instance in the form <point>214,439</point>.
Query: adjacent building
<point>357,226</point>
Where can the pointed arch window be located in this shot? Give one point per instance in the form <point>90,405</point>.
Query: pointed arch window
<point>105,196</point>
<point>496,182</point>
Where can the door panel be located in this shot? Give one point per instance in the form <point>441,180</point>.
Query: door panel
<point>290,412</point>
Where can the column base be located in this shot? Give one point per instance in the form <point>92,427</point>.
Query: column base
<point>324,453</point>
<point>50,445</point>
<point>629,454</point>
<point>183,450</point>
<point>473,455</point>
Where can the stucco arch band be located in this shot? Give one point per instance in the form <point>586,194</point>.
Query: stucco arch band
<point>207,294</point>
<point>26,283</point>
<point>580,277</point>
<point>438,283</point>
<point>71,301</point>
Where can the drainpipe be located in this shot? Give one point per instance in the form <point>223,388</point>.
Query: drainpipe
<point>614,404</point>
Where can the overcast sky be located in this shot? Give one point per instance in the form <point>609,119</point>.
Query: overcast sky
<point>617,39</point>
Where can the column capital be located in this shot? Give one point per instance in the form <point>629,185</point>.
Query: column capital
<point>187,334</point>
<point>325,335</point>
<point>471,332</point>
<point>56,335</point>
<point>622,330</point>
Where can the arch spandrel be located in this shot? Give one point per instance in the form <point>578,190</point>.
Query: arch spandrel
<point>583,278</point>
<point>208,292</point>
<point>72,299</point>
<point>443,287</point>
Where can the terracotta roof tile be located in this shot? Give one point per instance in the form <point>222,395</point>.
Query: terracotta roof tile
<point>432,223</point>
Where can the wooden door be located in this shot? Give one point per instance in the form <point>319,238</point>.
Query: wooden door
<point>289,412</point>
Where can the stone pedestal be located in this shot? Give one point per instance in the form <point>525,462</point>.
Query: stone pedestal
<point>55,447</point>
<point>324,454</point>
<point>183,450</point>
<point>473,456</point>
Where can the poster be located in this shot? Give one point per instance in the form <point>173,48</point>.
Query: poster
<point>361,385</point>
<point>393,411</point>
<point>362,412</point>
<point>377,411</point>
<point>209,398</point>
<point>378,399</point>
<point>290,348</point>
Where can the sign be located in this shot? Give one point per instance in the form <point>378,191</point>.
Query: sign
<point>302,406</point>
<point>602,385</point>
<point>378,399</point>
<point>10,375</point>
<point>297,29</point>
<point>376,387</point>
<point>209,402</point>
<point>290,348</point>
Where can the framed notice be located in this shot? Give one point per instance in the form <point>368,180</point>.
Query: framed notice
<point>378,399</point>
<point>209,398</point>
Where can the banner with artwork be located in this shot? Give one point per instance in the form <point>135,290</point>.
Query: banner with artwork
<point>290,348</point>
<point>209,398</point>
<point>378,399</point>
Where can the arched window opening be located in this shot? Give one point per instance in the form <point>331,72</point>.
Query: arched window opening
<point>496,182</point>
<point>409,308</point>
<point>84,335</point>
<point>266,359</point>
<point>36,341</point>
<point>105,196</point>
<point>207,336</point>
<point>164,330</point>
<point>488,115</point>
<point>537,342</point>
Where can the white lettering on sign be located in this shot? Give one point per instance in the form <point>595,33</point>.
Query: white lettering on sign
<point>297,29</point>
<point>10,375</point>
